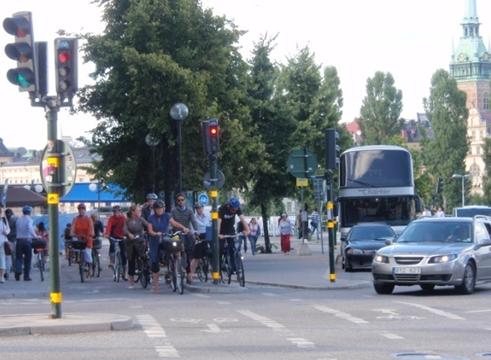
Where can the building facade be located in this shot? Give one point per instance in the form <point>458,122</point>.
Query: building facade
<point>470,66</point>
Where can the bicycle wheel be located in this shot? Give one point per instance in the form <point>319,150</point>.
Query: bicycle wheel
<point>239,268</point>
<point>180,274</point>
<point>41,265</point>
<point>202,269</point>
<point>81,268</point>
<point>143,272</point>
<point>173,273</point>
<point>118,267</point>
<point>96,263</point>
<point>228,268</point>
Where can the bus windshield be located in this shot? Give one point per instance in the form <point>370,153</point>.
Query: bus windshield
<point>395,211</point>
<point>376,168</point>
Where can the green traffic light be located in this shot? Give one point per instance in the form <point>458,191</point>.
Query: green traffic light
<point>22,81</point>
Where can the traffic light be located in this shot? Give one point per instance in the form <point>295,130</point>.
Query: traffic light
<point>22,51</point>
<point>439,185</point>
<point>332,149</point>
<point>66,55</point>
<point>211,136</point>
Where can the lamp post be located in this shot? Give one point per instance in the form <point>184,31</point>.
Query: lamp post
<point>152,141</point>
<point>462,177</point>
<point>179,112</point>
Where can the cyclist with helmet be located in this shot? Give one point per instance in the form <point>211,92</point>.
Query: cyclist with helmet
<point>116,229</point>
<point>226,225</point>
<point>147,208</point>
<point>158,225</point>
<point>23,251</point>
<point>201,248</point>
<point>83,229</point>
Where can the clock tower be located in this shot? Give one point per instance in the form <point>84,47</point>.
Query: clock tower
<point>471,67</point>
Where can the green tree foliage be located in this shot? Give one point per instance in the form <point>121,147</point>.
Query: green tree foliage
<point>381,109</point>
<point>445,153</point>
<point>152,54</point>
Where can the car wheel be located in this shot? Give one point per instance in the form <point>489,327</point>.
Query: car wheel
<point>469,281</point>
<point>427,287</point>
<point>383,289</point>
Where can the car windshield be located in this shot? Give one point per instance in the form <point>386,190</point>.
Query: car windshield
<point>370,233</point>
<point>433,231</point>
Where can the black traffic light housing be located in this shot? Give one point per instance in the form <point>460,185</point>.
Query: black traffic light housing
<point>66,57</point>
<point>439,185</point>
<point>23,51</point>
<point>332,149</point>
<point>211,136</point>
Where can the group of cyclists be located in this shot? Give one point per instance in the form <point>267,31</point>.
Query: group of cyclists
<point>145,227</point>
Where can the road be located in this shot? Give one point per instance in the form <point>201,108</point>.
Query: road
<point>263,323</point>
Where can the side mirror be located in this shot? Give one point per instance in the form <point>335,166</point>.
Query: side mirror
<point>389,241</point>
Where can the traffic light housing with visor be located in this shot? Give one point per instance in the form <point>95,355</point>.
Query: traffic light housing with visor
<point>66,57</point>
<point>23,51</point>
<point>332,149</point>
<point>211,136</point>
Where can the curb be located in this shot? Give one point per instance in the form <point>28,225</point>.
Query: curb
<point>210,288</point>
<point>14,325</point>
<point>330,286</point>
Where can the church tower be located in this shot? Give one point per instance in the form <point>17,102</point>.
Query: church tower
<point>471,67</point>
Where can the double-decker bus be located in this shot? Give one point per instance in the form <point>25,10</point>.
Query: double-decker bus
<point>376,184</point>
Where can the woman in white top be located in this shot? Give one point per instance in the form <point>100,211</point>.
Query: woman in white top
<point>286,230</point>
<point>4,231</point>
<point>254,233</point>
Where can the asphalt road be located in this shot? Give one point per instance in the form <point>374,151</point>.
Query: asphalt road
<point>264,323</point>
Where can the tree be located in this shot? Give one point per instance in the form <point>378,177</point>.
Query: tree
<point>445,153</point>
<point>380,111</point>
<point>153,54</point>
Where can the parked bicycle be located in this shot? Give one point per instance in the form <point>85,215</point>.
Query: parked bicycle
<point>39,248</point>
<point>231,261</point>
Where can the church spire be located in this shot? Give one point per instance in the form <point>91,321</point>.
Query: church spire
<point>470,23</point>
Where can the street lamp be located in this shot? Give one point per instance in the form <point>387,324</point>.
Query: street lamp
<point>152,141</point>
<point>462,177</point>
<point>179,112</point>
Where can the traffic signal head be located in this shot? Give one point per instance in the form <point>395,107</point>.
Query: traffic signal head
<point>211,136</point>
<point>22,51</point>
<point>66,54</point>
<point>332,149</point>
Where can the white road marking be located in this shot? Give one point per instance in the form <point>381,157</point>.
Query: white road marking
<point>269,294</point>
<point>340,314</point>
<point>186,320</point>
<point>201,296</point>
<point>214,329</point>
<point>301,343</point>
<point>153,330</point>
<point>391,336</point>
<point>223,302</point>
<point>390,314</point>
<point>433,311</point>
<point>296,300</point>
<point>225,320</point>
<point>478,311</point>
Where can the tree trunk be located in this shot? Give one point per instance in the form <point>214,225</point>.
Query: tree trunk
<point>265,216</point>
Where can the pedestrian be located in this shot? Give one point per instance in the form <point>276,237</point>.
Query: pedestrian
<point>286,230</point>
<point>314,222</point>
<point>23,250</point>
<point>12,238</point>
<point>254,234</point>
<point>440,212</point>
<point>4,231</point>
<point>304,218</point>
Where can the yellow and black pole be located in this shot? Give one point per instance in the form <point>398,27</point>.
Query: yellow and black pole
<point>55,158</point>
<point>215,275</point>
<point>331,222</point>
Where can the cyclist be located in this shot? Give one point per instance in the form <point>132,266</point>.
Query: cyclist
<point>185,217</point>
<point>23,251</point>
<point>158,225</point>
<point>83,229</point>
<point>115,230</point>
<point>134,243</point>
<point>200,249</point>
<point>226,225</point>
<point>147,208</point>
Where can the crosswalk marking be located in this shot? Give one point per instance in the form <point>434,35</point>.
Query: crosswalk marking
<point>154,331</point>
<point>340,314</point>
<point>391,336</point>
<point>433,310</point>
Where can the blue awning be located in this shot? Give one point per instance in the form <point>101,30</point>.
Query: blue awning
<point>81,192</point>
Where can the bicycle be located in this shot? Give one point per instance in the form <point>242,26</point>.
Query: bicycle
<point>142,267</point>
<point>227,263</point>
<point>118,267</point>
<point>39,248</point>
<point>173,247</point>
<point>203,267</point>
<point>84,268</point>
<point>96,261</point>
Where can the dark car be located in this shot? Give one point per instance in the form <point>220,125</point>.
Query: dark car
<point>361,244</point>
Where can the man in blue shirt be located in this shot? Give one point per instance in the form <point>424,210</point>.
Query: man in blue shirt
<point>25,233</point>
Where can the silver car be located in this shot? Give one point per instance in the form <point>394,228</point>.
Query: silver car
<point>436,251</point>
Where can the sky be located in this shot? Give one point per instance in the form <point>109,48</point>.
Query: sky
<point>411,39</point>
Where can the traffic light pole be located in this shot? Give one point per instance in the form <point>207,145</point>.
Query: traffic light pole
<point>330,227</point>
<point>213,163</point>
<point>54,161</point>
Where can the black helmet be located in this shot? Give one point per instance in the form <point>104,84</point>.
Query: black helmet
<point>159,204</point>
<point>151,196</point>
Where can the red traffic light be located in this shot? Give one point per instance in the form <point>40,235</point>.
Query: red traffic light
<point>63,57</point>
<point>213,130</point>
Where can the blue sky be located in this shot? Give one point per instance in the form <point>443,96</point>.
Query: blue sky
<point>409,38</point>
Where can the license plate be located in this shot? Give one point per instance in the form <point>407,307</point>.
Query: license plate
<point>407,270</point>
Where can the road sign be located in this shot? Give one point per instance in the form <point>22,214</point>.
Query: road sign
<point>203,198</point>
<point>219,181</point>
<point>301,182</point>
<point>302,163</point>
<point>318,183</point>
<point>49,164</point>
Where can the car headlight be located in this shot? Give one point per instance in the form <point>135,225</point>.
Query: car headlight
<point>381,259</point>
<point>352,251</point>
<point>442,259</point>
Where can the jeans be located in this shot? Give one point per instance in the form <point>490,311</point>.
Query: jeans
<point>253,240</point>
<point>23,254</point>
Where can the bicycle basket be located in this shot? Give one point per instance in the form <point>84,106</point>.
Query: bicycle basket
<point>79,244</point>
